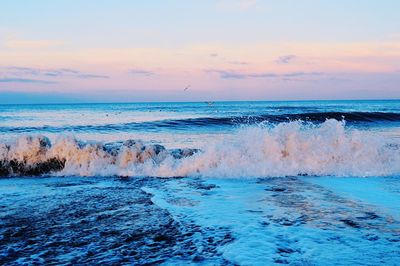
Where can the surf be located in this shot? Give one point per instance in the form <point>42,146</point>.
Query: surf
<point>285,149</point>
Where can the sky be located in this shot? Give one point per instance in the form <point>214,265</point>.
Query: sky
<point>127,50</point>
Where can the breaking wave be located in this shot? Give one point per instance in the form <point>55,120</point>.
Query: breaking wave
<point>187,123</point>
<point>286,149</point>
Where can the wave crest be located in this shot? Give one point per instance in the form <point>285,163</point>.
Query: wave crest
<point>287,149</point>
<point>356,118</point>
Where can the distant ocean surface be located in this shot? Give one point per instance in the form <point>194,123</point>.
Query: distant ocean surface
<point>226,139</point>
<point>248,183</point>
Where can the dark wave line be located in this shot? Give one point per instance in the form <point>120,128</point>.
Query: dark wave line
<point>317,117</point>
<point>348,116</point>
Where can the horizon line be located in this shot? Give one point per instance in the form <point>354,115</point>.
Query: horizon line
<point>203,101</point>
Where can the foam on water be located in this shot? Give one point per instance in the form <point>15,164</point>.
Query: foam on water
<point>285,149</point>
<point>287,221</point>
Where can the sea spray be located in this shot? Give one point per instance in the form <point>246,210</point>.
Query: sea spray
<point>286,149</point>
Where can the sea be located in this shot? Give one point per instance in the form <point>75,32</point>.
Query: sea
<point>200,183</point>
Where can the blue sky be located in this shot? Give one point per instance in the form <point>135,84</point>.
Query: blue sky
<point>225,49</point>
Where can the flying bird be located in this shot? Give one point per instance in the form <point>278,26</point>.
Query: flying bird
<point>187,87</point>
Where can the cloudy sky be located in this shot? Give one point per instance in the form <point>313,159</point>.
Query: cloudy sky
<point>122,50</point>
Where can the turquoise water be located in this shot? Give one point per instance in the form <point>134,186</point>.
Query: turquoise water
<point>221,183</point>
<point>160,122</point>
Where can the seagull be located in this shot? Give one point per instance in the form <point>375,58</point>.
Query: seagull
<point>210,103</point>
<point>185,89</point>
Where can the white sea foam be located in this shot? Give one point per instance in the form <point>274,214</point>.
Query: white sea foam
<point>286,149</point>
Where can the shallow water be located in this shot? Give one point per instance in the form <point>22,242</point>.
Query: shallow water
<point>295,220</point>
<point>251,183</point>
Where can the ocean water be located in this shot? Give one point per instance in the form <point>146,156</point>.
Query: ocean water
<point>218,183</point>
